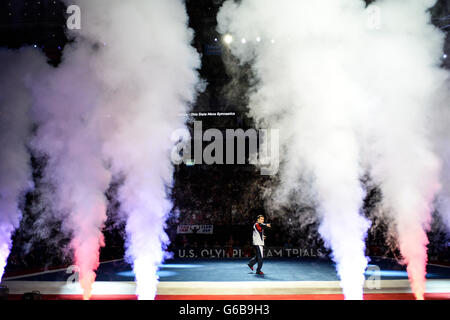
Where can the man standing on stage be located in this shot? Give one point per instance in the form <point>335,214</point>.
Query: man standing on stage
<point>258,243</point>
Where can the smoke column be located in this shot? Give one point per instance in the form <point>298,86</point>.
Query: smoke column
<point>15,128</point>
<point>309,94</point>
<point>408,86</point>
<point>352,94</point>
<point>145,69</point>
<point>65,107</point>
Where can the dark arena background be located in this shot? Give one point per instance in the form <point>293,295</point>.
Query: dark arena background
<point>122,177</point>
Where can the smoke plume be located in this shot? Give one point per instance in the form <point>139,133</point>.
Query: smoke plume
<point>15,128</point>
<point>65,106</point>
<point>109,108</point>
<point>145,71</point>
<point>352,89</point>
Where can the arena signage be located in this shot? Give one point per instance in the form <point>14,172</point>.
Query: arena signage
<point>271,252</point>
<point>195,229</point>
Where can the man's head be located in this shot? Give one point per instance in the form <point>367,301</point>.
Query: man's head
<point>260,219</point>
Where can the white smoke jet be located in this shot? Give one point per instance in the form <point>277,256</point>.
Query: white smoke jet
<point>65,106</point>
<point>304,88</point>
<point>146,70</point>
<point>15,128</point>
<point>351,97</point>
<point>405,85</point>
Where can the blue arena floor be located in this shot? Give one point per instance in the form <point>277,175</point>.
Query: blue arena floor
<point>305,269</point>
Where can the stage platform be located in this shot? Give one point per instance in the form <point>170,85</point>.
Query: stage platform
<point>231,279</point>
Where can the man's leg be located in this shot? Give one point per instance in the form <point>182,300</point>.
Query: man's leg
<point>259,255</point>
<point>254,259</point>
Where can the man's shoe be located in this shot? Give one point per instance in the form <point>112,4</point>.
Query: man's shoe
<point>260,273</point>
<point>250,267</point>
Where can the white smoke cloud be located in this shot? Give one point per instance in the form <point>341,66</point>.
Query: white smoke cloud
<point>405,58</point>
<point>146,71</point>
<point>15,128</point>
<point>110,107</point>
<point>65,106</point>
<point>351,97</point>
